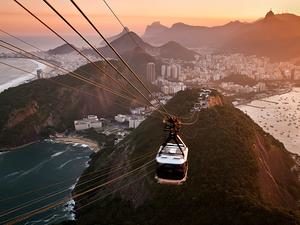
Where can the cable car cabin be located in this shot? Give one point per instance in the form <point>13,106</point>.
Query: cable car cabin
<point>172,164</point>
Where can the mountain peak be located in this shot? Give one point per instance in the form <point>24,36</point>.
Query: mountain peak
<point>270,14</point>
<point>234,22</point>
<point>155,28</point>
<point>156,23</point>
<point>179,25</point>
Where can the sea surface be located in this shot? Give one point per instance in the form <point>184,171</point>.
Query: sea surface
<point>37,175</point>
<point>279,115</point>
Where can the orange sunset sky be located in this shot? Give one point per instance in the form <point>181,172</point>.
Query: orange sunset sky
<point>136,14</point>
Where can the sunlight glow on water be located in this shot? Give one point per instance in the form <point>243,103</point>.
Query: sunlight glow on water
<point>282,120</point>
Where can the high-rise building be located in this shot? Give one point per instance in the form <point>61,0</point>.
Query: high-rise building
<point>39,73</point>
<point>174,71</point>
<point>151,72</point>
<point>168,71</point>
<point>179,70</point>
<point>163,71</point>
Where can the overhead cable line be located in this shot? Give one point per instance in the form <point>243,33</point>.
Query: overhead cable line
<point>19,39</point>
<point>129,34</point>
<point>56,193</point>
<point>71,88</point>
<point>115,190</point>
<point>51,80</point>
<point>114,50</point>
<point>78,52</point>
<point>100,54</point>
<point>107,194</point>
<point>73,74</point>
<point>61,202</point>
<point>73,47</point>
<point>124,27</point>
<point>85,176</point>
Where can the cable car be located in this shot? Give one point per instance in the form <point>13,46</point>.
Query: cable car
<point>172,165</point>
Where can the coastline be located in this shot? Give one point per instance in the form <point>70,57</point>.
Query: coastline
<point>26,77</point>
<point>247,101</point>
<point>75,139</point>
<point>44,160</point>
<point>8,149</point>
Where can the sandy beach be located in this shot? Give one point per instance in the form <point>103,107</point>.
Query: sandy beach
<point>72,140</point>
<point>77,140</point>
<point>10,77</point>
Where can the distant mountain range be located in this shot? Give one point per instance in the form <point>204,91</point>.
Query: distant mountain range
<point>130,41</point>
<point>112,38</point>
<point>275,36</point>
<point>60,50</point>
<point>126,42</point>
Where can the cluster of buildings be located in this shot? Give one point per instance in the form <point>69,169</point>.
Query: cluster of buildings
<point>203,99</point>
<point>215,67</point>
<point>133,120</point>
<point>171,72</point>
<point>69,61</point>
<point>91,121</point>
<point>177,75</point>
<point>136,117</point>
<point>170,80</point>
<point>232,87</point>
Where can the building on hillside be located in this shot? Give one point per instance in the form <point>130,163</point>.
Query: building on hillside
<point>138,110</point>
<point>174,72</point>
<point>120,118</point>
<point>91,121</point>
<point>135,121</point>
<point>163,71</point>
<point>261,86</point>
<point>151,76</point>
<point>39,74</point>
<point>169,68</point>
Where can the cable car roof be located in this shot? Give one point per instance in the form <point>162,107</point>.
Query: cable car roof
<point>171,154</point>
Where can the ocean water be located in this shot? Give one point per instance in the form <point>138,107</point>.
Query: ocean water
<point>279,115</point>
<point>40,170</point>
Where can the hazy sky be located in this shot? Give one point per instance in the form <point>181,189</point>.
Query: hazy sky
<point>136,14</point>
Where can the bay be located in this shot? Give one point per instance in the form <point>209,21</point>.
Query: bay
<point>279,115</point>
<point>42,171</point>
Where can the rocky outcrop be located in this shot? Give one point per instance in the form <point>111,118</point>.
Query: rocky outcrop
<point>21,114</point>
<point>215,101</point>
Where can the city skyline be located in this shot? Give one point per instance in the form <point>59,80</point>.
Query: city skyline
<point>137,14</point>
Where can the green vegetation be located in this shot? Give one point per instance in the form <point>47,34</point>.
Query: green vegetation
<point>239,79</point>
<point>32,111</point>
<point>222,185</point>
